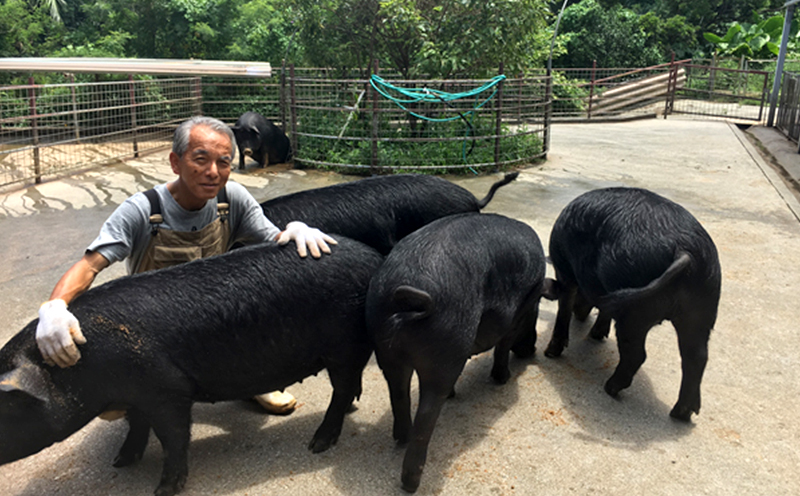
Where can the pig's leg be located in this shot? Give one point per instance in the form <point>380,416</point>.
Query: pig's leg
<point>693,337</point>
<point>631,334</point>
<point>581,307</point>
<point>560,338</point>
<point>500,371</point>
<point>434,386</point>
<point>345,376</point>
<point>172,423</point>
<point>398,378</point>
<point>525,346</point>
<point>601,327</point>
<point>134,445</point>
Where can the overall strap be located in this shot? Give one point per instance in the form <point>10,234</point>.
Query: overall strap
<point>155,210</point>
<point>223,206</point>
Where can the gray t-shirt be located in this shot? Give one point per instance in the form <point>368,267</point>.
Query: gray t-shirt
<point>126,233</point>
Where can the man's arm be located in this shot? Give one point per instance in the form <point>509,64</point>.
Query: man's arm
<point>79,277</point>
<point>58,330</point>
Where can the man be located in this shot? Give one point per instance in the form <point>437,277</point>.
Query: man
<point>197,215</point>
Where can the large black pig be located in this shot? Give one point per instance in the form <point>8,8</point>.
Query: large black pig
<point>261,140</point>
<point>223,328</point>
<point>456,287</point>
<point>380,210</point>
<point>641,259</point>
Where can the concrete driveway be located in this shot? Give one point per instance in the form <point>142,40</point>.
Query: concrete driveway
<point>551,430</point>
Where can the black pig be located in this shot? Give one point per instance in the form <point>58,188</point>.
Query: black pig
<point>223,328</point>
<point>640,259</point>
<point>261,140</point>
<point>456,287</point>
<point>380,210</point>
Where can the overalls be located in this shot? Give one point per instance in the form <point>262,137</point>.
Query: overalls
<point>168,248</point>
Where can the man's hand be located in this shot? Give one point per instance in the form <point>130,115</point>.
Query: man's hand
<point>315,240</point>
<point>57,333</point>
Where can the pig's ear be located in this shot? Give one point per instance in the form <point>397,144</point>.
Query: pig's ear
<point>255,130</point>
<point>28,379</point>
<point>415,303</point>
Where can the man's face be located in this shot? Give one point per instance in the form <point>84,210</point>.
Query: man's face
<point>204,167</point>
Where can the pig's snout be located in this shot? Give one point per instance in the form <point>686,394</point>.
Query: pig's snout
<point>248,152</point>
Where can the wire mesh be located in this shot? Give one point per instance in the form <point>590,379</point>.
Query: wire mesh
<point>788,120</point>
<point>226,98</point>
<point>346,124</point>
<point>603,94</point>
<point>723,93</point>
<point>52,129</point>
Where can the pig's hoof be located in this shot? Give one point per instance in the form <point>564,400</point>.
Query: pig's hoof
<point>411,482</point>
<point>553,350</point>
<point>170,489</point>
<point>524,351</point>
<point>598,334</point>
<point>125,459</point>
<point>320,444</point>
<point>683,413</point>
<point>501,376</point>
<point>613,388</point>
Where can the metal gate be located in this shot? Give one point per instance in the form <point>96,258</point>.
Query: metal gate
<point>717,92</point>
<point>789,108</point>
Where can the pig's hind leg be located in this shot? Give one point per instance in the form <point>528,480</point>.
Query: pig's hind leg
<point>345,375</point>
<point>398,378</point>
<point>435,384</point>
<point>560,338</point>
<point>136,441</point>
<point>171,421</point>
<point>601,327</point>
<point>693,334</point>
<point>631,334</point>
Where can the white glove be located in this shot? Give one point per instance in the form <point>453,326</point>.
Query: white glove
<point>304,236</point>
<point>57,333</point>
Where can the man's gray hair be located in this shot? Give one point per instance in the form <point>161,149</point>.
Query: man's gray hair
<point>180,142</point>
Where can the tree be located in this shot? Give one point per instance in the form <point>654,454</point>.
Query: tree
<point>442,39</point>
<point>614,37</point>
<point>760,40</point>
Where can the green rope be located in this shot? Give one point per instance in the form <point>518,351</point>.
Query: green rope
<point>427,95</point>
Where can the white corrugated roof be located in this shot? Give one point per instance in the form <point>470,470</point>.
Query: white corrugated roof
<point>137,66</point>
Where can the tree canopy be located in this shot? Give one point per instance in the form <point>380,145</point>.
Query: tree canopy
<point>440,38</point>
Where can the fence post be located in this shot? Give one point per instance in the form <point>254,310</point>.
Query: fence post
<point>671,86</point>
<point>548,110</point>
<point>198,96</point>
<point>591,88</point>
<point>282,96</point>
<point>74,108</point>
<point>293,112</point>
<point>132,91</point>
<point>499,120</point>
<point>374,159</point>
<point>37,171</point>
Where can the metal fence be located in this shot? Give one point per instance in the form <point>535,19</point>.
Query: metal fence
<point>338,120</point>
<point>788,120</point>
<point>349,125</point>
<point>715,92</point>
<point>680,87</point>
<point>53,129</point>
<point>598,94</point>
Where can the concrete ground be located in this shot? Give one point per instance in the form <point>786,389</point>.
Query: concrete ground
<point>551,430</point>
